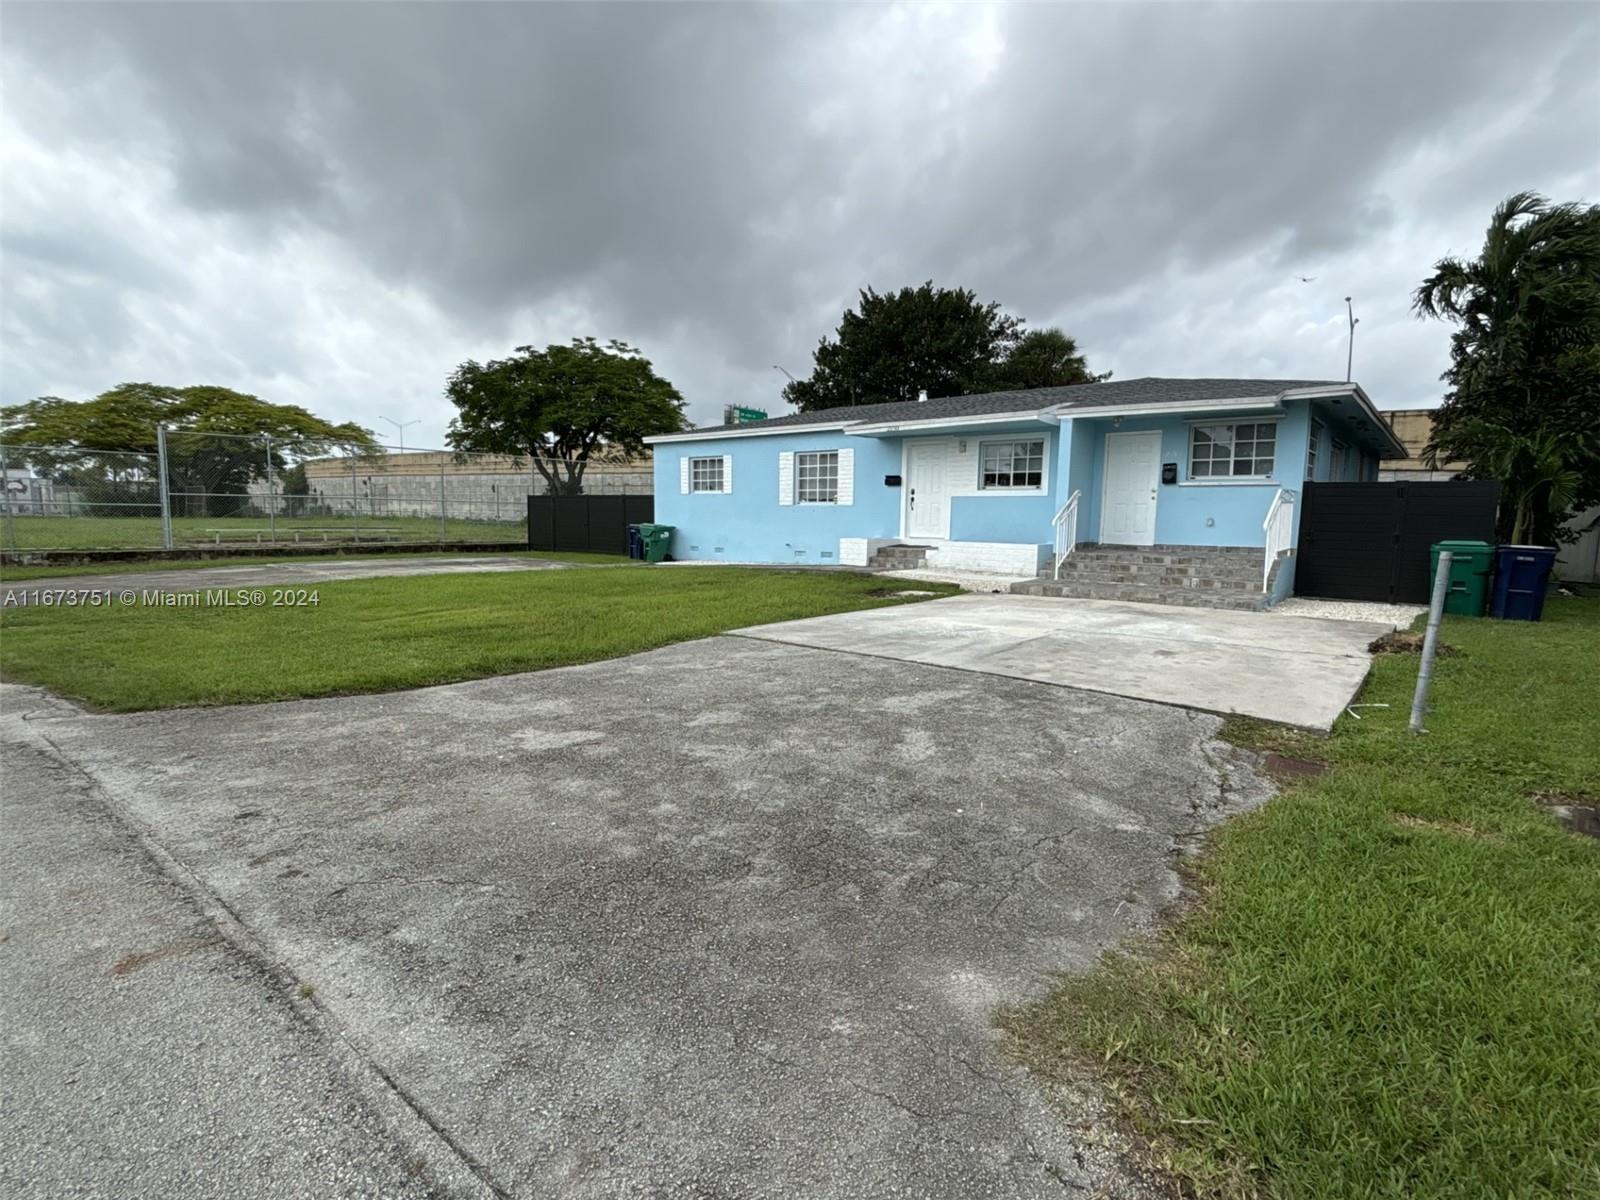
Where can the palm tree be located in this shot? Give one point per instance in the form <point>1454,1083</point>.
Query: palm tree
<point>1525,356</point>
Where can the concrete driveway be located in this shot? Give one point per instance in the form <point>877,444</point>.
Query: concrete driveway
<point>727,919</point>
<point>288,572</point>
<point>1296,670</point>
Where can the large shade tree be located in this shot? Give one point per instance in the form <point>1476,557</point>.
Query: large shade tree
<point>893,345</point>
<point>218,441</point>
<point>942,341</point>
<point>1523,398</point>
<point>1044,358</point>
<point>563,406</point>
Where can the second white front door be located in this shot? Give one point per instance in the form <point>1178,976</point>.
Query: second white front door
<point>927,505</point>
<point>1133,476</point>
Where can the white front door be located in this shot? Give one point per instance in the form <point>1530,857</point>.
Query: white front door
<point>927,505</point>
<point>1133,475</point>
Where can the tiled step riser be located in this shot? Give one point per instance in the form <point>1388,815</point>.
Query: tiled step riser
<point>898,558</point>
<point>1210,586</point>
<point>1229,563</point>
<point>1178,597</point>
<point>1159,576</point>
<point>1185,576</point>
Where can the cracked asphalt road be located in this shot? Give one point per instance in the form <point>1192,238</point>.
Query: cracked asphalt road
<point>726,919</point>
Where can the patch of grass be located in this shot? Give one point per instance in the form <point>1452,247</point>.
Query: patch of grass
<point>382,634</point>
<point>143,529</point>
<point>1389,984</point>
<point>16,574</point>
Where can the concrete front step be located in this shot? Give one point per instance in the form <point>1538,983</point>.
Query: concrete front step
<point>1191,576</point>
<point>1179,596</point>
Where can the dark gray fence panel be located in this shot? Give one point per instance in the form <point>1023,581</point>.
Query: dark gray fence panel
<point>596,524</point>
<point>1370,541</point>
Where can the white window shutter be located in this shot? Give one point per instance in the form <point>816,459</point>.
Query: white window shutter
<point>786,477</point>
<point>727,473</point>
<point>847,477</point>
<point>683,475</point>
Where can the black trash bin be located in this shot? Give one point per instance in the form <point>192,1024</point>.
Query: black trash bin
<point>635,542</point>
<point>1521,578</point>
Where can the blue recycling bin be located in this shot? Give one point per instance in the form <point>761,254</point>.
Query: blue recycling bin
<point>635,542</point>
<point>1521,578</point>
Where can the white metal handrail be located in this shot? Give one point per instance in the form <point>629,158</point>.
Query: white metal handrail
<point>1279,528</point>
<point>1066,526</point>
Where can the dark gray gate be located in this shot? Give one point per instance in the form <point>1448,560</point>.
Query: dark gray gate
<point>1369,541</point>
<point>592,523</point>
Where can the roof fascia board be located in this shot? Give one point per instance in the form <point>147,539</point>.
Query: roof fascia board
<point>716,435</point>
<point>917,426</point>
<point>1365,404</point>
<point>1165,407</point>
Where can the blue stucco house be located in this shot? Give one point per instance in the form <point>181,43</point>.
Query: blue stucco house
<point>1027,482</point>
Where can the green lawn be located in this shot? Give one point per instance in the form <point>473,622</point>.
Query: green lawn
<point>1390,983</point>
<point>11,574</point>
<point>130,532</point>
<point>381,634</point>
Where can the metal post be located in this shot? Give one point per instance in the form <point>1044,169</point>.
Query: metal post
<point>355,501</point>
<point>443,522</point>
<point>166,498</point>
<point>1430,643</point>
<point>272,503</point>
<point>5,482</point>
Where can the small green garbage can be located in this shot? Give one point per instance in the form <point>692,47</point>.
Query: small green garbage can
<point>1471,564</point>
<point>656,540</point>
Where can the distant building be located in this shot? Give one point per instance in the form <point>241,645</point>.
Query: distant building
<point>484,487</point>
<point>29,495</point>
<point>1414,428</point>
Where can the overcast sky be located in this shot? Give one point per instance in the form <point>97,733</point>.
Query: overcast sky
<point>333,205</point>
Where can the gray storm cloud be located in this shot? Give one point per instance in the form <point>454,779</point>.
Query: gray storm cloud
<point>333,204</point>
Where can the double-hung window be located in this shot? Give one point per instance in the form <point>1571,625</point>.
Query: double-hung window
<point>816,477</point>
<point>1238,451</point>
<point>1011,465</point>
<point>705,474</point>
<point>1311,449</point>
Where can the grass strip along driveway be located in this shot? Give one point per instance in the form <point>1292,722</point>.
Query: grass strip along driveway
<point>1390,984</point>
<point>384,634</point>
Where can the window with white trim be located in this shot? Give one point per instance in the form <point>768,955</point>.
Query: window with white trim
<point>1011,464</point>
<point>1240,451</point>
<point>1336,471</point>
<point>705,474</point>
<point>1311,450</point>
<point>816,477</point>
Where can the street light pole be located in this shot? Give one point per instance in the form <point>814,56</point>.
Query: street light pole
<point>1350,355</point>
<point>399,428</point>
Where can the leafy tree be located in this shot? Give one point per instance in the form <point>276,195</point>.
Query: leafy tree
<point>216,443</point>
<point>1525,357</point>
<point>1044,358</point>
<point>941,340</point>
<point>562,405</point>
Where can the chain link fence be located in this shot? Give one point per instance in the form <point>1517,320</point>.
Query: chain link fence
<point>202,489</point>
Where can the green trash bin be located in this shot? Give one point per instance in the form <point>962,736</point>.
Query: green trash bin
<point>656,541</point>
<point>1471,564</point>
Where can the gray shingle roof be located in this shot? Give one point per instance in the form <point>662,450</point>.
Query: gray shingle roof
<point>1083,395</point>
